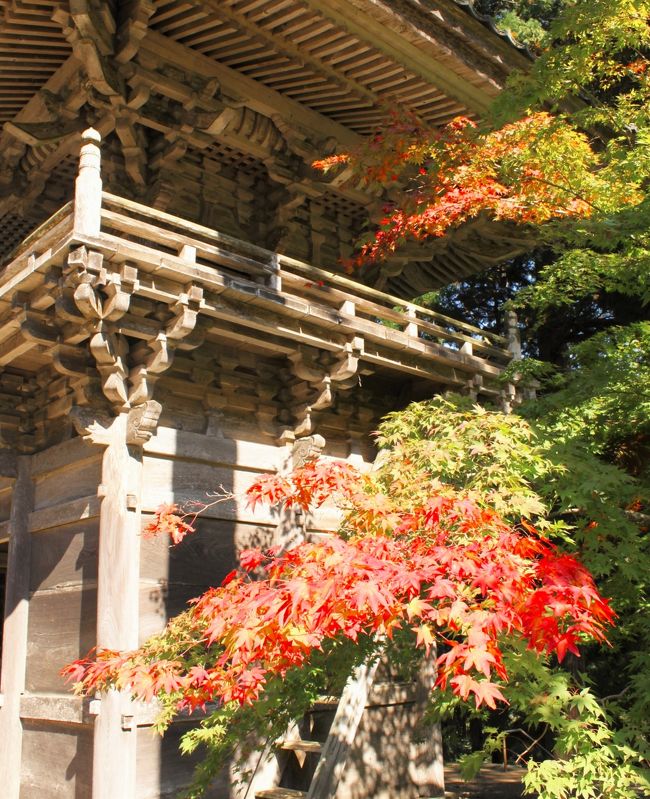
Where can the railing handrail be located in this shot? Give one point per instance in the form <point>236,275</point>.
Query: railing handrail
<point>42,233</point>
<point>269,260</point>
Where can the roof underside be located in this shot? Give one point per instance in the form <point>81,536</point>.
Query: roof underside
<point>261,86</point>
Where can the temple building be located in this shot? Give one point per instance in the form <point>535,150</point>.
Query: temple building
<point>174,318</point>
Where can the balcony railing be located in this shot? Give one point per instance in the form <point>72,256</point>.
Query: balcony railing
<point>253,288</point>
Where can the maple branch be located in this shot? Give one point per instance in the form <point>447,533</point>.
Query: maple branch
<point>534,741</point>
<point>616,696</point>
<point>567,190</point>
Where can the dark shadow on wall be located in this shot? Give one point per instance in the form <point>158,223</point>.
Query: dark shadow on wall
<point>200,561</point>
<point>62,627</point>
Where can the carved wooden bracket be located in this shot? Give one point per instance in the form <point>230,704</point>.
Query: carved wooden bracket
<point>320,379</point>
<point>90,30</point>
<point>94,301</point>
<point>133,23</point>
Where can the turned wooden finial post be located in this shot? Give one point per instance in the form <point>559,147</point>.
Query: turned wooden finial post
<point>513,335</point>
<point>509,394</point>
<point>88,186</point>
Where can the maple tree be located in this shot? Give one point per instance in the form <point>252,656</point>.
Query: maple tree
<point>417,562</point>
<point>449,569</point>
<point>531,171</point>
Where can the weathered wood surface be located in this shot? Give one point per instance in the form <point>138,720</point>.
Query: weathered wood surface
<point>57,709</point>
<point>216,292</point>
<point>62,628</point>
<point>15,633</point>
<point>117,604</point>
<point>65,556</point>
<point>321,74</point>
<point>342,288</point>
<point>426,763</point>
<point>56,762</point>
<point>88,186</point>
<point>342,733</point>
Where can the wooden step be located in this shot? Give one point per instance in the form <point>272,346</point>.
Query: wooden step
<point>301,746</point>
<point>280,793</point>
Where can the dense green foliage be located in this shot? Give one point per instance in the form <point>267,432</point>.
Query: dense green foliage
<point>584,300</point>
<point>549,470</point>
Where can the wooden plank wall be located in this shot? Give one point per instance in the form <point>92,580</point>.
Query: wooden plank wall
<point>63,528</point>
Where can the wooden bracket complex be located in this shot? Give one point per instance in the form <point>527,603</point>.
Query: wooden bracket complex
<point>93,303</point>
<point>318,382</point>
<point>129,353</point>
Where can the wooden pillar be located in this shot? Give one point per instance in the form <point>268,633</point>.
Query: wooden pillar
<point>88,186</point>
<point>14,649</point>
<point>117,606</point>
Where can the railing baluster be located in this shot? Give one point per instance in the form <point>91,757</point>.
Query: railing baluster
<point>348,308</point>
<point>187,253</point>
<point>275,280</point>
<point>411,329</point>
<point>513,335</point>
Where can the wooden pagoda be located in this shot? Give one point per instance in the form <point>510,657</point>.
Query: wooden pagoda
<point>173,319</point>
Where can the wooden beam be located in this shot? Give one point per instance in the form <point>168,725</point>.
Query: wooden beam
<point>14,650</point>
<point>133,21</point>
<point>253,94</point>
<point>284,46</point>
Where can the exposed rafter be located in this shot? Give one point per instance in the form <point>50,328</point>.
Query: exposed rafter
<point>369,28</point>
<point>283,45</point>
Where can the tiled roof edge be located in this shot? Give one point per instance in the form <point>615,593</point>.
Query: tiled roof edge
<point>491,23</point>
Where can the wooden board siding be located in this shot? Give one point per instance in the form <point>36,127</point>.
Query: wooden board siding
<point>57,761</point>
<point>64,528</point>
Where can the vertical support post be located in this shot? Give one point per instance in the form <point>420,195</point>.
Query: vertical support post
<point>114,753</point>
<point>88,186</point>
<point>509,395</point>
<point>14,650</point>
<point>187,253</point>
<point>411,328</point>
<point>275,279</point>
<point>513,335</point>
<point>347,308</point>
